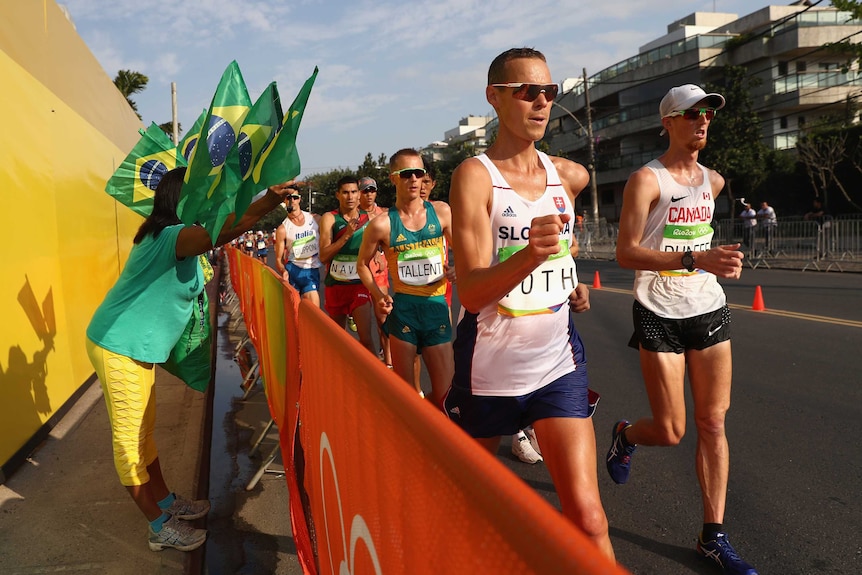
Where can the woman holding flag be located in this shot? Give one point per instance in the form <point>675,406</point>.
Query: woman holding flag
<point>135,327</point>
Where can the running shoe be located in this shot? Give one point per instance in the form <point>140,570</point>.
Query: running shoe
<point>522,449</point>
<point>176,534</point>
<point>722,552</point>
<point>351,324</point>
<point>187,509</point>
<point>620,455</point>
<point>534,441</point>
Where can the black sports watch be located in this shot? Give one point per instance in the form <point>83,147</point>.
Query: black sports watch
<point>688,260</point>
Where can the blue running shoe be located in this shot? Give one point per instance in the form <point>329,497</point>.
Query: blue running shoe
<point>722,552</point>
<point>620,455</point>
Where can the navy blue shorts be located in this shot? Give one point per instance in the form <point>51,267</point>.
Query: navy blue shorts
<point>493,416</point>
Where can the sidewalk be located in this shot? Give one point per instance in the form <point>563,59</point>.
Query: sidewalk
<point>65,510</point>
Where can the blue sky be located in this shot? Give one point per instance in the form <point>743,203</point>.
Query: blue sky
<point>393,74</point>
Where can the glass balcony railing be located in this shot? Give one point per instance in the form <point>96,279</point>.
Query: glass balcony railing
<point>796,82</point>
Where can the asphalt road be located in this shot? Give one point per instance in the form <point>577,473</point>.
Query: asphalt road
<point>796,475</point>
<point>795,492</point>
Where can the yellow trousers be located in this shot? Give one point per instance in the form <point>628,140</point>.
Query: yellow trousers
<point>130,395</point>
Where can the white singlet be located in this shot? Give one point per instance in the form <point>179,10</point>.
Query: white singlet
<point>680,220</point>
<point>522,342</point>
<point>304,250</point>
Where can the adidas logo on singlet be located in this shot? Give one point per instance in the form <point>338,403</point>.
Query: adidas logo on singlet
<point>400,238</point>
<point>509,213</point>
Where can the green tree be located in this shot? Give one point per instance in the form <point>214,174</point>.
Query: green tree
<point>735,147</point>
<point>168,128</point>
<point>851,46</point>
<point>129,83</point>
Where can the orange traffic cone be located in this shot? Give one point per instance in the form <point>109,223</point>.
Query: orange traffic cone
<point>597,281</point>
<point>758,300</point>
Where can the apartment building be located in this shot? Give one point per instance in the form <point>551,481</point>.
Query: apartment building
<point>782,45</point>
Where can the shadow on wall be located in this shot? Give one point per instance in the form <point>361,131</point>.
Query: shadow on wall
<point>23,381</point>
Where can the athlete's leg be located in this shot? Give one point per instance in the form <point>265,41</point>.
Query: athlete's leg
<point>710,371</point>
<point>440,361</point>
<point>364,319</point>
<point>569,451</point>
<point>403,355</point>
<point>664,378</point>
<point>312,296</point>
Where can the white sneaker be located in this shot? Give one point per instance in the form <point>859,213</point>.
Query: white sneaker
<point>522,449</point>
<point>534,442</point>
<point>176,534</point>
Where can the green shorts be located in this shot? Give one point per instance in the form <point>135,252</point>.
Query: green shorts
<point>422,321</point>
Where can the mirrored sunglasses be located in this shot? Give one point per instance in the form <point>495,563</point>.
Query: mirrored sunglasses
<point>407,173</point>
<point>529,92</point>
<point>694,113</point>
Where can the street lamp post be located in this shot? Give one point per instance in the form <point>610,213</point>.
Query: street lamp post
<point>591,165</point>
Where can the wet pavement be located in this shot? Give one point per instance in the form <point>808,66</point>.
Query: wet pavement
<point>249,530</point>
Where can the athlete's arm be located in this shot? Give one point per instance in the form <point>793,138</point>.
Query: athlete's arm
<point>280,239</point>
<point>479,283</point>
<point>327,250</point>
<point>195,240</point>
<point>376,233</point>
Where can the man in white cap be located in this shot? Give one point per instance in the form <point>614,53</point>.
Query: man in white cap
<point>680,316</point>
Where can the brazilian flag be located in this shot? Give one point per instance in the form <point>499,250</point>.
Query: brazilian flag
<point>187,144</point>
<point>258,129</point>
<point>219,130</point>
<point>135,180</point>
<point>279,162</point>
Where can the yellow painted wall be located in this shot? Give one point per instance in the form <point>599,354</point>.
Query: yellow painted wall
<point>65,240</point>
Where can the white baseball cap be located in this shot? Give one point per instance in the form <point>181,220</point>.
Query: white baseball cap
<point>686,96</point>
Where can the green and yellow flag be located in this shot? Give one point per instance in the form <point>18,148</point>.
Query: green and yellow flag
<point>259,130</point>
<point>219,130</point>
<point>135,180</point>
<point>279,162</point>
<point>187,144</point>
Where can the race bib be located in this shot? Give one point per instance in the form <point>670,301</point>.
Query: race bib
<point>543,291</point>
<point>420,267</point>
<point>305,248</point>
<point>343,268</point>
<point>678,238</point>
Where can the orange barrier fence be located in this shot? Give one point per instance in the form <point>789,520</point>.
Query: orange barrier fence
<point>389,485</point>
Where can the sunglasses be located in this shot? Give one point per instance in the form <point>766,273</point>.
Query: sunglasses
<point>529,92</point>
<point>406,173</point>
<point>294,197</point>
<point>369,191</point>
<point>694,113</point>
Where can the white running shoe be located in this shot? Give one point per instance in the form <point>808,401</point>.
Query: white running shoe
<point>534,442</point>
<point>176,534</point>
<point>188,509</point>
<point>522,449</point>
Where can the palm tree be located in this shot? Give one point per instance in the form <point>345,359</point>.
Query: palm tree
<point>128,83</point>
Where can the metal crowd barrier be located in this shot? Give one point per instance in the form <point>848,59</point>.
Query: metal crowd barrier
<point>832,244</point>
<point>794,243</point>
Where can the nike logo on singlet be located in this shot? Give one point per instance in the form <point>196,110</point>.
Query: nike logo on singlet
<point>673,199</point>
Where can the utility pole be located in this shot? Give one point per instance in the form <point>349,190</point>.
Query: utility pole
<point>175,127</point>
<point>594,192</point>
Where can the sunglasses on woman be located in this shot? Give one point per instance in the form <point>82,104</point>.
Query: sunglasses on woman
<point>694,113</point>
<point>529,92</point>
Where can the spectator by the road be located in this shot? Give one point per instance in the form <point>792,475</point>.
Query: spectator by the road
<point>140,320</point>
<point>768,222</point>
<point>749,222</point>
